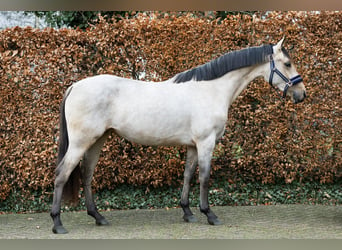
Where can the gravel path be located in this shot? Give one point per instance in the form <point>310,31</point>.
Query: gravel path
<point>247,222</point>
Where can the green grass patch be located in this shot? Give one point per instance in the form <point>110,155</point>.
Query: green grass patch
<point>221,194</point>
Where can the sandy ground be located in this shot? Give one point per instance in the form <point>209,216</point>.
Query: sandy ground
<point>248,222</point>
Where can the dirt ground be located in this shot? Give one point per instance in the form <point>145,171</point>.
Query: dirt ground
<point>247,222</point>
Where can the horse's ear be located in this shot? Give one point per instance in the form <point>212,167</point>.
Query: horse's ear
<point>279,45</point>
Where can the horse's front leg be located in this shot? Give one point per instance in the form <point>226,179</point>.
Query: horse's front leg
<point>205,150</point>
<point>190,167</point>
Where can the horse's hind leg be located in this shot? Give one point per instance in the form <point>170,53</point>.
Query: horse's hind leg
<point>87,169</point>
<point>190,166</point>
<point>64,169</point>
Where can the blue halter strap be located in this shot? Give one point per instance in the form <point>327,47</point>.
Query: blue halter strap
<point>289,82</point>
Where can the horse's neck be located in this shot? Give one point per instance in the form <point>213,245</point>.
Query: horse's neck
<point>236,81</point>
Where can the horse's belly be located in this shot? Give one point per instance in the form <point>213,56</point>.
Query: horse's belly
<point>153,124</point>
<point>155,138</point>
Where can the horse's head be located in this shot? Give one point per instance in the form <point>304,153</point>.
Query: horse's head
<point>283,75</point>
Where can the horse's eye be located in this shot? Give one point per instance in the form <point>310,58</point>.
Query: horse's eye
<point>288,64</point>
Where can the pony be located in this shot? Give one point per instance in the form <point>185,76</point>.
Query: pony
<point>189,109</point>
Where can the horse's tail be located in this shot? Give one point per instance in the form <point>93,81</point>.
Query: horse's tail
<point>72,186</point>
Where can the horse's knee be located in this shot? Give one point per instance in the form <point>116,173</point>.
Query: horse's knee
<point>204,176</point>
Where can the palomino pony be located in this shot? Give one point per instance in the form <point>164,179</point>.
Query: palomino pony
<point>189,109</point>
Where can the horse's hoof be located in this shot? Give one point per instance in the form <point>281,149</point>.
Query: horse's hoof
<point>59,230</point>
<point>102,222</point>
<point>189,218</point>
<point>214,221</point>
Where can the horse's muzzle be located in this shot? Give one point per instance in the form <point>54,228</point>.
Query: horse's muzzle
<point>299,97</point>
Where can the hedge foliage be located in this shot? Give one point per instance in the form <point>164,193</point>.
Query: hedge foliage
<point>267,140</point>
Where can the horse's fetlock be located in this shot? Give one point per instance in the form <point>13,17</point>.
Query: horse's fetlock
<point>184,204</point>
<point>205,210</point>
<point>55,214</point>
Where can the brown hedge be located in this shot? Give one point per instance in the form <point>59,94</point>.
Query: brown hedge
<point>266,139</point>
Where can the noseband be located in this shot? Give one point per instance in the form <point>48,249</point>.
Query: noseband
<point>289,82</point>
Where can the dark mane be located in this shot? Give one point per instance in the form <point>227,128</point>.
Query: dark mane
<point>226,63</point>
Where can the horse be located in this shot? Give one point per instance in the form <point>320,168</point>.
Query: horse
<point>188,109</point>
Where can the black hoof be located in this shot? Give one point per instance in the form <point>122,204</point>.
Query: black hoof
<point>59,230</point>
<point>102,222</point>
<point>214,221</point>
<point>189,218</point>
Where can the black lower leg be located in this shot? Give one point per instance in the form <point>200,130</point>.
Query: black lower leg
<point>57,224</point>
<point>100,220</point>
<point>90,204</point>
<point>188,215</point>
<point>212,218</point>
